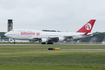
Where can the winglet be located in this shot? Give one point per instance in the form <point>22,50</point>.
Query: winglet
<point>87,27</point>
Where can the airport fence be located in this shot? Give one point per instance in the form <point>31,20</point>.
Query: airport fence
<point>55,61</point>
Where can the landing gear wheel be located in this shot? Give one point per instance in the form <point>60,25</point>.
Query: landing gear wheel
<point>43,42</point>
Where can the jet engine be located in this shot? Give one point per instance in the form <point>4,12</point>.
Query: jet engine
<point>44,40</point>
<point>61,38</point>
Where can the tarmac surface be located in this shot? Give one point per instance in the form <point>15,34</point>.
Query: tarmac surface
<point>58,45</point>
<point>50,44</point>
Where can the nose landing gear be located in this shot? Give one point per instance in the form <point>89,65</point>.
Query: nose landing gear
<point>14,41</point>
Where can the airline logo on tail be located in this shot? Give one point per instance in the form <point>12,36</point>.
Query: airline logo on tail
<point>87,27</point>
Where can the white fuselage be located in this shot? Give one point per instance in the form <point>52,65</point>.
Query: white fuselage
<point>32,34</point>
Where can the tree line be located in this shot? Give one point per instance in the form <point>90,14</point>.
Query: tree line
<point>97,37</point>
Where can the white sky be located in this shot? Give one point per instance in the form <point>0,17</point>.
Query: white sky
<point>64,15</point>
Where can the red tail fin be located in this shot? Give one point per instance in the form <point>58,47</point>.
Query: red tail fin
<point>87,27</point>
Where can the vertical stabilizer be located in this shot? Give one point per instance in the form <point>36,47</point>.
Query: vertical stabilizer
<point>87,27</point>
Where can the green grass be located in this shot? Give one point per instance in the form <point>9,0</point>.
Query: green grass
<point>39,57</point>
<point>39,51</point>
<point>40,67</point>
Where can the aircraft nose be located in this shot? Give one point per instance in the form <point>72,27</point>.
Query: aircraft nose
<point>10,34</point>
<point>5,34</point>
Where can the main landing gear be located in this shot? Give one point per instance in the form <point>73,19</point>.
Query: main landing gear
<point>43,42</point>
<point>47,42</point>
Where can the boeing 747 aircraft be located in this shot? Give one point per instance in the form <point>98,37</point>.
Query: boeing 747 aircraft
<point>50,36</point>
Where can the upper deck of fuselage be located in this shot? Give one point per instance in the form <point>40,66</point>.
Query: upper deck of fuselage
<point>30,30</point>
<point>45,31</point>
<point>51,31</point>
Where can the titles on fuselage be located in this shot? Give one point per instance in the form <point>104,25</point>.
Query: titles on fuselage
<point>30,33</point>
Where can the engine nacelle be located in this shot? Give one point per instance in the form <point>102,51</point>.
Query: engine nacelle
<point>61,39</point>
<point>44,40</point>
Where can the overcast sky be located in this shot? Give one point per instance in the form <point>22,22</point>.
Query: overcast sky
<point>64,15</point>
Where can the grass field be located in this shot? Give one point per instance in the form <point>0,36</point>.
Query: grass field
<point>40,58</point>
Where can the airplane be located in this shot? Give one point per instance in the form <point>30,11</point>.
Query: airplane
<point>50,36</point>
